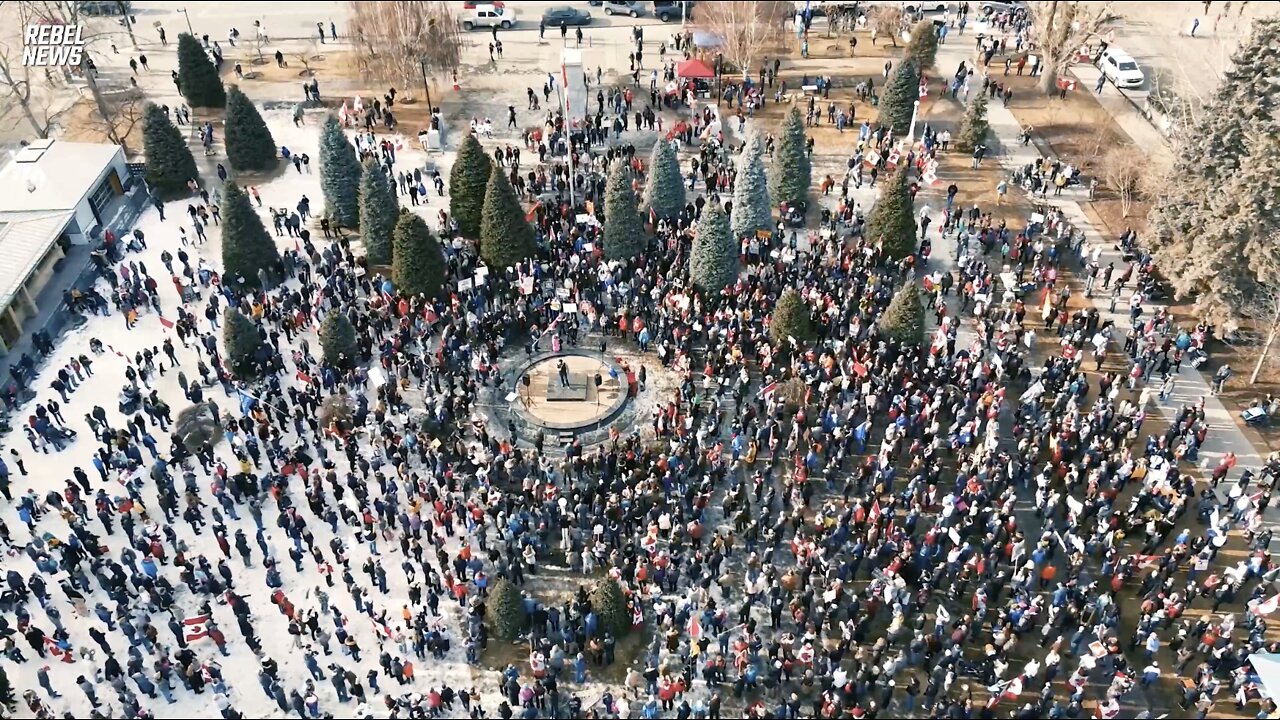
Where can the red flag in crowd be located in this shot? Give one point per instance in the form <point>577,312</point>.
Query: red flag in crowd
<point>195,627</point>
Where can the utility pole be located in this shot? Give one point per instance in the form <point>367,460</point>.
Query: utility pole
<point>427,88</point>
<point>187,15</point>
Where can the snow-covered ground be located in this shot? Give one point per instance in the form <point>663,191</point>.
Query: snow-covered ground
<point>50,471</point>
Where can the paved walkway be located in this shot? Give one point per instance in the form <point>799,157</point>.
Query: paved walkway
<point>1225,435</point>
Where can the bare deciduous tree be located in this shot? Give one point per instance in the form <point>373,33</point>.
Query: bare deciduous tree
<point>118,114</point>
<point>398,42</point>
<point>17,84</point>
<point>308,55</point>
<point>1264,308</point>
<point>1060,28</point>
<point>1126,170</point>
<point>743,30</point>
<point>887,21</point>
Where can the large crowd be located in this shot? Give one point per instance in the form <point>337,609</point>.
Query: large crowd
<point>846,527</point>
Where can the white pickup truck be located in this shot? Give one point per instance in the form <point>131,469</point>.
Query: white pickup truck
<point>490,16</point>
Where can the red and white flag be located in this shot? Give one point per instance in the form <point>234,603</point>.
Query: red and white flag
<point>195,627</point>
<point>873,515</point>
<point>381,628</point>
<point>1266,607</point>
<point>55,650</point>
<point>767,390</point>
<point>695,626</point>
<point>1014,689</point>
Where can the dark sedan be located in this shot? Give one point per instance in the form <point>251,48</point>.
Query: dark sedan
<point>567,15</point>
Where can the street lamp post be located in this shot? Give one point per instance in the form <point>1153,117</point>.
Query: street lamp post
<point>427,88</point>
<point>187,15</point>
<point>915,112</point>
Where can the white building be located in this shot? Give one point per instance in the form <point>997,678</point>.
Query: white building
<point>53,194</point>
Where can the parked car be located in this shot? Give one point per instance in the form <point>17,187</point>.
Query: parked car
<point>991,8</point>
<point>911,8</point>
<point>490,16</point>
<point>623,7</point>
<point>553,17</point>
<point>1121,69</point>
<point>103,7</point>
<point>668,10</point>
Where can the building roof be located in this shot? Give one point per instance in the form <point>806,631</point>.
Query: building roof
<point>25,238</point>
<point>53,175</point>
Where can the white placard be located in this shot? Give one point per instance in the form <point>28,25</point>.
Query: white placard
<point>465,284</point>
<point>377,377</point>
<point>569,307</point>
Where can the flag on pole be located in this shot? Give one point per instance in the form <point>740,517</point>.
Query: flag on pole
<point>380,628</point>
<point>874,513</point>
<point>859,369</point>
<point>195,627</point>
<point>695,626</point>
<point>166,322</point>
<point>1266,607</point>
<point>767,390</point>
<point>305,378</point>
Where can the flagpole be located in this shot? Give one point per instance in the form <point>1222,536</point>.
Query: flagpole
<point>568,125</point>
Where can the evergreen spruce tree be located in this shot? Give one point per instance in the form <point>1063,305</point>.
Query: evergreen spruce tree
<point>468,180</point>
<point>892,220</point>
<point>506,237</point>
<point>338,340</point>
<point>417,265</point>
<point>246,245</point>
<point>504,610</point>
<point>923,47</point>
<point>169,161</point>
<point>1192,217</point>
<point>339,174</point>
<point>623,229</point>
<point>7,700</point>
<point>242,342</point>
<point>713,264</point>
<point>378,210</point>
<point>898,97</point>
<point>903,320</point>
<point>197,77</point>
<point>664,191</point>
<point>792,174</point>
<point>249,142</point>
<point>973,126</point>
<point>610,606</point>
<point>791,319</point>
<point>752,209</point>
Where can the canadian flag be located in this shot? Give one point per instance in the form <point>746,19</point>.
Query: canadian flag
<point>1014,689</point>
<point>195,627</point>
<point>56,650</point>
<point>924,90</point>
<point>381,628</point>
<point>1266,607</point>
<point>873,515</point>
<point>859,369</point>
<point>695,626</point>
<point>1146,561</point>
<point>767,390</point>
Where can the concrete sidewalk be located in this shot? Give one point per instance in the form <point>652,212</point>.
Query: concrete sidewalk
<point>1225,435</point>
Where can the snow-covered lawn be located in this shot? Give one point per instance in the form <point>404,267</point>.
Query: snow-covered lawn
<point>50,471</point>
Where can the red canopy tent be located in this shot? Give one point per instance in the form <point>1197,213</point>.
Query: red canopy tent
<point>694,69</point>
